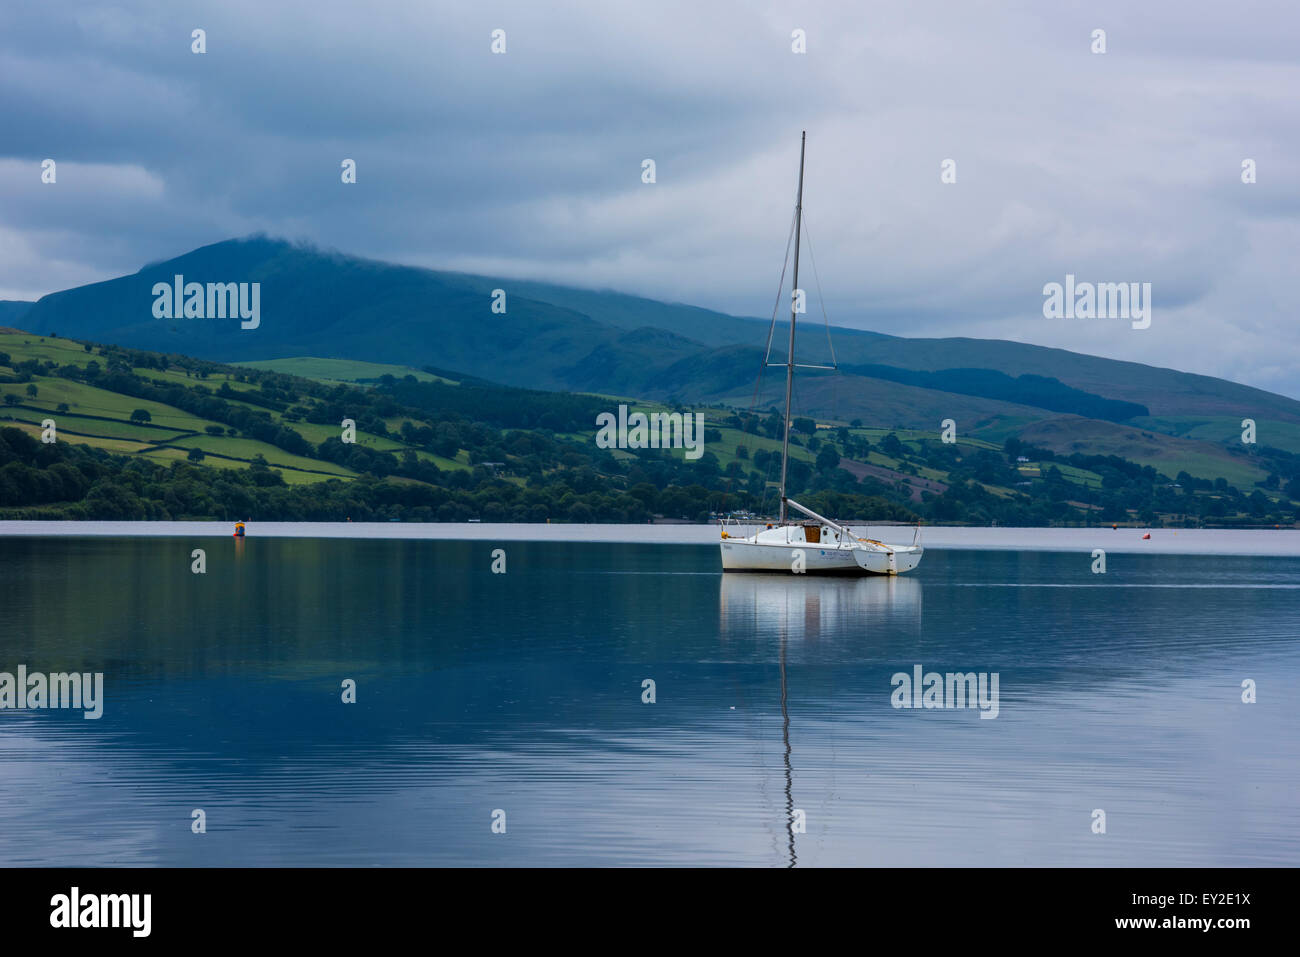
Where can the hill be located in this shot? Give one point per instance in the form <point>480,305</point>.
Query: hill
<point>12,311</point>
<point>105,431</point>
<point>336,307</point>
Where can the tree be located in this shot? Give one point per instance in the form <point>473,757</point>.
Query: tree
<point>141,415</point>
<point>11,399</point>
<point>827,458</point>
<point>33,391</point>
<point>196,455</point>
<point>63,407</point>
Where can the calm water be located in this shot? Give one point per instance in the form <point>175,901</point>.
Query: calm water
<point>1278,543</point>
<point>523,692</point>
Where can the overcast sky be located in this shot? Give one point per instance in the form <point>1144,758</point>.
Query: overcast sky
<point>1116,167</point>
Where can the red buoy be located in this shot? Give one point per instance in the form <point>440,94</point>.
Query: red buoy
<point>1146,536</point>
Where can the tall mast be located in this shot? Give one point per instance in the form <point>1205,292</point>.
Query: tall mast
<point>794,302</point>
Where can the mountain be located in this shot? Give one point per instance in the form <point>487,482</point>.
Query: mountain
<point>12,310</point>
<point>329,305</point>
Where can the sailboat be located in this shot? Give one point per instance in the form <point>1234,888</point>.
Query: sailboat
<point>813,544</point>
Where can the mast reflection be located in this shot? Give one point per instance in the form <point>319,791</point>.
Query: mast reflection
<point>799,608</point>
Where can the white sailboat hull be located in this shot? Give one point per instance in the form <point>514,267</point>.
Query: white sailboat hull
<point>748,555</point>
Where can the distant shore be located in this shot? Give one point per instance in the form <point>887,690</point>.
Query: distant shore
<point>1260,542</point>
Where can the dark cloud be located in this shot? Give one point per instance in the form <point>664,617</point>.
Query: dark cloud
<point>1121,167</point>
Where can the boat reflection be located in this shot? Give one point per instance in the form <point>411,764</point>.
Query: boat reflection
<point>799,607</point>
<point>803,607</point>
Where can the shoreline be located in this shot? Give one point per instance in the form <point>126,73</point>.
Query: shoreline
<point>1278,543</point>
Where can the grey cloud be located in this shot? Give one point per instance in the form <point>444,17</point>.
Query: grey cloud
<point>1115,167</point>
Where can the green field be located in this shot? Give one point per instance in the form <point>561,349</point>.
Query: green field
<point>245,448</point>
<point>339,370</point>
<point>23,345</point>
<point>1224,430</point>
<point>89,400</point>
<point>177,376</point>
<point>997,432</point>
<point>1072,474</point>
<point>70,423</point>
<point>114,431</point>
<point>291,476</point>
<point>125,446</point>
<point>1241,474</point>
<point>316,433</point>
<point>731,438</point>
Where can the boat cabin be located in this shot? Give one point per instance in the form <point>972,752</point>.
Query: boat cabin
<point>801,533</point>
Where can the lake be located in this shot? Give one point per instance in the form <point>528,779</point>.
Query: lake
<point>479,693</point>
